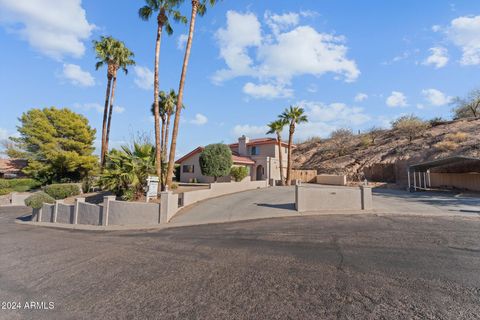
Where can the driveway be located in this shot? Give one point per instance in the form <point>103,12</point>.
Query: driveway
<point>279,202</point>
<point>315,267</point>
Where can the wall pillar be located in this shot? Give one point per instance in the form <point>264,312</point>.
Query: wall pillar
<point>366,194</point>
<point>75,209</point>
<point>55,210</point>
<point>106,208</point>
<point>168,206</point>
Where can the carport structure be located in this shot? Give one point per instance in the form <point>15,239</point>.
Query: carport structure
<point>452,172</point>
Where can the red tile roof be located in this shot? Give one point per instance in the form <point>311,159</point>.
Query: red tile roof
<point>260,141</point>
<point>12,165</point>
<point>237,159</point>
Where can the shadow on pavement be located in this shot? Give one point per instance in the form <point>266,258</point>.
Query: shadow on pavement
<point>283,206</point>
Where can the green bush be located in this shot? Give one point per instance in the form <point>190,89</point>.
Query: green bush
<point>239,173</point>
<point>216,161</point>
<point>62,191</point>
<point>37,200</point>
<point>18,185</point>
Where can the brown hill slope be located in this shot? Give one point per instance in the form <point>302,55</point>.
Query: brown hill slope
<point>358,156</point>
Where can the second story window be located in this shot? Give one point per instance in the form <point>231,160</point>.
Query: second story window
<point>254,151</point>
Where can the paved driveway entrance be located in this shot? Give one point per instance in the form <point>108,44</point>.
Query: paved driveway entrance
<point>255,204</point>
<point>279,202</point>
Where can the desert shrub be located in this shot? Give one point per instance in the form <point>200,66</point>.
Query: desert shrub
<point>457,137</point>
<point>62,191</point>
<point>341,138</point>
<point>467,107</point>
<point>436,121</point>
<point>37,200</point>
<point>446,145</point>
<point>366,141</point>
<point>239,173</point>
<point>410,126</point>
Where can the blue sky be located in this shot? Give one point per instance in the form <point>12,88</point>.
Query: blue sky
<point>349,63</point>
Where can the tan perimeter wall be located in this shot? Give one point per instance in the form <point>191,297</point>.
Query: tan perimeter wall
<point>469,181</point>
<point>333,180</point>
<point>318,198</point>
<point>304,175</point>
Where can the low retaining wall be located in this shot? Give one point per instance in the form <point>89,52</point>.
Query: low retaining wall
<point>121,213</point>
<point>333,180</point>
<point>220,189</point>
<point>317,198</point>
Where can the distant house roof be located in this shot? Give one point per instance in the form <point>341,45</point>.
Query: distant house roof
<point>260,141</point>
<point>12,165</point>
<point>236,158</point>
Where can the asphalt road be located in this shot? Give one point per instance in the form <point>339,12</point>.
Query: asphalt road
<point>316,267</point>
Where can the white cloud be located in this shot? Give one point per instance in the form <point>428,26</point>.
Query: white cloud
<point>86,107</point>
<point>397,99</point>
<point>199,120</point>
<point>275,58</point>
<point>436,28</point>
<point>181,41</point>
<point>242,31</point>
<point>143,77</point>
<point>337,114</point>
<point>438,57</point>
<point>361,97</point>
<point>249,130</point>
<point>464,32</point>
<point>436,97</point>
<point>77,76</point>
<point>312,88</point>
<point>282,22</point>
<point>266,91</point>
<point>54,28</point>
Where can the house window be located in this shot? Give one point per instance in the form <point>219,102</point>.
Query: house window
<point>254,151</point>
<point>188,168</point>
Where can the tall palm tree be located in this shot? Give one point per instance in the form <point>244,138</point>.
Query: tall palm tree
<point>276,127</point>
<point>122,57</point>
<point>165,9</point>
<point>166,105</point>
<point>292,116</point>
<point>199,7</point>
<point>104,52</point>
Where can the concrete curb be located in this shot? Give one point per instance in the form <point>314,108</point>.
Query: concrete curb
<point>179,225</point>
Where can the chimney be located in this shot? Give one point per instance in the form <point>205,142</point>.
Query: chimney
<point>242,145</point>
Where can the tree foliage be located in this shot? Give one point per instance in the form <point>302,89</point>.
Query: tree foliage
<point>410,126</point>
<point>467,107</point>
<point>216,160</point>
<point>126,170</point>
<point>58,144</point>
<point>239,173</point>
<point>342,140</point>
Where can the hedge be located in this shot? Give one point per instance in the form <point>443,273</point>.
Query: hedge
<point>18,185</point>
<point>37,200</point>
<point>62,191</point>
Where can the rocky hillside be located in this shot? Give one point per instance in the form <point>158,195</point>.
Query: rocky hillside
<point>354,155</point>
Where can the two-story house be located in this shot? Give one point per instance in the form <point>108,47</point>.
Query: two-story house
<point>260,156</point>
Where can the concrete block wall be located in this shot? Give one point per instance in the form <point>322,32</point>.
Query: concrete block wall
<point>316,198</point>
<point>334,180</point>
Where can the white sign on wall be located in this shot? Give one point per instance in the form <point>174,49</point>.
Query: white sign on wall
<point>152,186</point>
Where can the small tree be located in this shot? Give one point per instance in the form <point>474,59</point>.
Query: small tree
<point>216,161</point>
<point>373,133</point>
<point>58,144</point>
<point>410,126</point>
<point>239,173</point>
<point>341,139</point>
<point>467,107</point>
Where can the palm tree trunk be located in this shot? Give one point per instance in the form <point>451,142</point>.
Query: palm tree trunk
<point>104,127</point>
<point>280,155</point>
<point>156,88</point>
<point>167,132</point>
<point>112,101</point>
<point>289,160</point>
<point>161,177</point>
<point>178,110</point>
